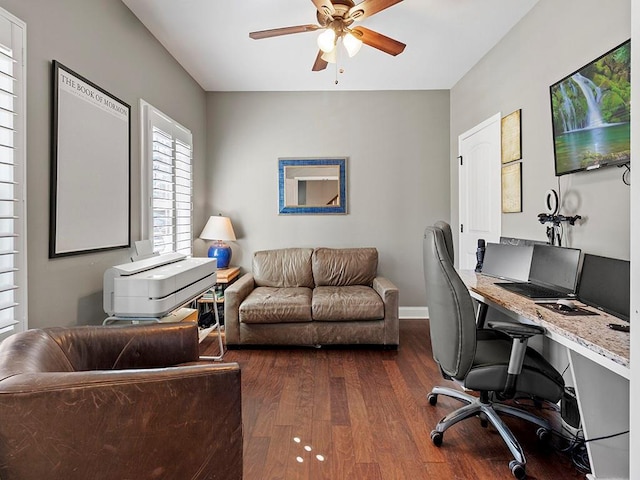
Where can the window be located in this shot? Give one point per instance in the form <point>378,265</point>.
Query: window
<point>167,173</point>
<point>13,246</point>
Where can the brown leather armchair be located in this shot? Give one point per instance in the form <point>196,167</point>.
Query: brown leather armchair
<point>115,403</point>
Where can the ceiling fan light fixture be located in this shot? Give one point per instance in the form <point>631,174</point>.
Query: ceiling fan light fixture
<point>330,57</point>
<point>352,44</point>
<point>327,40</point>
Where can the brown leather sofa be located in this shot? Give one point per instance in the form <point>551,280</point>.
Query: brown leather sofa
<point>123,402</point>
<point>305,296</point>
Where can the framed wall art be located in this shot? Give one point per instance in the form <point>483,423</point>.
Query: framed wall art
<point>90,167</point>
<point>510,137</point>
<point>512,188</point>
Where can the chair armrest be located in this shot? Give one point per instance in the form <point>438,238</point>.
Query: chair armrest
<point>182,422</point>
<point>234,295</point>
<point>517,330</point>
<point>389,294</point>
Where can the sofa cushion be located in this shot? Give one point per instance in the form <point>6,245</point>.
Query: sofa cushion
<point>276,305</point>
<point>287,267</point>
<point>355,302</point>
<point>344,266</point>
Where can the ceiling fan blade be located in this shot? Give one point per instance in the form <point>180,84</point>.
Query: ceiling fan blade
<point>320,63</point>
<point>325,7</point>
<point>276,32</point>
<point>370,7</point>
<point>379,41</point>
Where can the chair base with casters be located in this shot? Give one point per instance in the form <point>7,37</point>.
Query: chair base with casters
<point>488,411</point>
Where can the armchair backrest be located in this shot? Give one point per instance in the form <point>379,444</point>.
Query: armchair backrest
<point>88,348</point>
<point>451,313</point>
<point>127,346</point>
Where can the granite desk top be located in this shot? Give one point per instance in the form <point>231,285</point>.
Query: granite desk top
<point>589,331</point>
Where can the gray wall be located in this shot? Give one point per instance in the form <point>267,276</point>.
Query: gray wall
<point>553,40</point>
<point>400,145</point>
<point>104,42</point>
<point>397,169</point>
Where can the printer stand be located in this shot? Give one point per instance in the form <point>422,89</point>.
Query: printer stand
<point>205,331</point>
<point>179,315</point>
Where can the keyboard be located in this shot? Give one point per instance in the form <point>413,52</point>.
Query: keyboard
<point>532,290</point>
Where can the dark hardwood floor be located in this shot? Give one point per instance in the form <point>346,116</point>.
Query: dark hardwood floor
<point>363,414</point>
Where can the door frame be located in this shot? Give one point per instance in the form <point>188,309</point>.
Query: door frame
<point>463,181</point>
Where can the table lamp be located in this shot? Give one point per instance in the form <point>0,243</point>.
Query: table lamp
<point>219,229</point>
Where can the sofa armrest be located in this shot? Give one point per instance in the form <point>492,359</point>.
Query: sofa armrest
<point>123,424</point>
<point>234,295</point>
<point>389,294</point>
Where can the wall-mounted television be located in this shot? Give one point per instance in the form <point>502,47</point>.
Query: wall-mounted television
<point>591,114</point>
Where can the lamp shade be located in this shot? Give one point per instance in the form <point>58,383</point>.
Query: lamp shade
<point>219,229</point>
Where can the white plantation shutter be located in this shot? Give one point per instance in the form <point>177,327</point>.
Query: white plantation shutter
<point>167,167</point>
<point>13,252</point>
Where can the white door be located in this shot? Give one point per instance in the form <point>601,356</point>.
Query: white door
<point>479,185</point>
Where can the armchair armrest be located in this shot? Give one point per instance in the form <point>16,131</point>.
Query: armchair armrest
<point>233,297</point>
<point>520,334</point>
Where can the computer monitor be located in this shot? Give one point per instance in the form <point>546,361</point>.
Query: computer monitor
<point>555,267</point>
<point>605,284</point>
<point>522,242</point>
<point>508,262</point>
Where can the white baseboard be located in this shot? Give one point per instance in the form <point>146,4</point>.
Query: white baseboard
<point>413,313</point>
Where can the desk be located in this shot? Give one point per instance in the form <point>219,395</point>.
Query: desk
<point>599,361</point>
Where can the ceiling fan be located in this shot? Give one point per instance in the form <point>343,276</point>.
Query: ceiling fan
<point>336,17</point>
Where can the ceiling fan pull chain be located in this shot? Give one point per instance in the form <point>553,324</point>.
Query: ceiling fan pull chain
<point>337,59</point>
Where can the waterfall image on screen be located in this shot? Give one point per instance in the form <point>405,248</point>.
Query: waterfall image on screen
<point>591,113</point>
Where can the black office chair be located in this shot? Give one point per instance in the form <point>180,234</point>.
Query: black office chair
<point>495,362</point>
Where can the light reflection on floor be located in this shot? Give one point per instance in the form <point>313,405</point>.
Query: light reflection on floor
<point>308,449</point>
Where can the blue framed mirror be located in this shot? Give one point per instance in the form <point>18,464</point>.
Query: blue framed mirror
<point>312,186</point>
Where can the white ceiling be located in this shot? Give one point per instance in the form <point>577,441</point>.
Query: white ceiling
<point>210,39</point>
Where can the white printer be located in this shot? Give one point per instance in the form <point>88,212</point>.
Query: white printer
<point>154,287</point>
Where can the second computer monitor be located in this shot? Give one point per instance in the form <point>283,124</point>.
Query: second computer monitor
<point>604,283</point>
<point>555,267</point>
